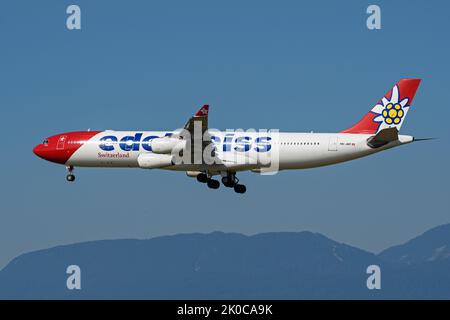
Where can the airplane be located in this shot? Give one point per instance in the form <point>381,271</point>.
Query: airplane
<point>204,153</point>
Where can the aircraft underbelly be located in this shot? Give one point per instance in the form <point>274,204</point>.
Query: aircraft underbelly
<point>316,158</point>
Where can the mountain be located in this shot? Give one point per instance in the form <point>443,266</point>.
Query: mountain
<point>218,265</point>
<point>421,266</point>
<point>433,245</point>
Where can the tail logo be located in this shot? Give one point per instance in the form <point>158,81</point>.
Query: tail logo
<point>393,113</point>
<point>390,110</point>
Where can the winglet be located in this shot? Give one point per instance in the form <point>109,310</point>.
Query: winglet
<point>203,112</point>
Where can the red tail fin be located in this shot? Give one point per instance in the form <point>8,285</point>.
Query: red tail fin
<point>390,111</point>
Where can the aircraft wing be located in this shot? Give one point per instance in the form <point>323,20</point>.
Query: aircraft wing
<point>200,117</point>
<point>197,128</point>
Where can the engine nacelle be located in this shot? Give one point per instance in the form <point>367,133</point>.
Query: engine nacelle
<point>167,145</point>
<point>154,161</point>
<point>193,174</point>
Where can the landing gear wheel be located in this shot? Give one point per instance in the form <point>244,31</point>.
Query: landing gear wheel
<point>70,177</point>
<point>213,184</point>
<point>202,178</point>
<point>227,182</point>
<point>240,188</point>
<point>230,180</point>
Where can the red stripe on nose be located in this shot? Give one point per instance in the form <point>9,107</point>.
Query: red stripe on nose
<point>61,147</point>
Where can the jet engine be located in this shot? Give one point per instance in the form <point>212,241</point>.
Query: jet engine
<point>154,161</point>
<point>167,145</point>
<point>193,174</point>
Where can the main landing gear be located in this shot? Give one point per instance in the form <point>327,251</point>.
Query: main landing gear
<point>229,181</point>
<point>70,176</point>
<point>212,184</point>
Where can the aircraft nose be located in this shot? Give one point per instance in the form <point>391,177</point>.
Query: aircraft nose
<point>38,150</point>
<point>53,149</point>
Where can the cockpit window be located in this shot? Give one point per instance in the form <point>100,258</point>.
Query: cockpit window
<point>45,142</point>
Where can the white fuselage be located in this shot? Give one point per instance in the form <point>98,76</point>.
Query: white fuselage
<point>238,151</point>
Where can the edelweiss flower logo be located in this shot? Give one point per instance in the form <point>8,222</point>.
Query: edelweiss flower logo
<point>391,111</point>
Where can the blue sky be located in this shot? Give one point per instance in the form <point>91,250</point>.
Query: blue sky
<point>288,65</point>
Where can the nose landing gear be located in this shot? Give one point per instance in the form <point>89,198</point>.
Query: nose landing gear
<point>70,176</point>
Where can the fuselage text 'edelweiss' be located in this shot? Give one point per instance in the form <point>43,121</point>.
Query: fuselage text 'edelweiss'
<point>204,153</point>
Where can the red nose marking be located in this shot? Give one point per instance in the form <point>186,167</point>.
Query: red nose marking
<point>62,146</point>
<point>38,150</point>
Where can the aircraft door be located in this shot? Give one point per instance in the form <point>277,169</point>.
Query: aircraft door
<point>333,144</point>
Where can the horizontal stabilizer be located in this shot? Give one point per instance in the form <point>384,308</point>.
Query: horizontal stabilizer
<point>424,139</point>
<point>383,137</point>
